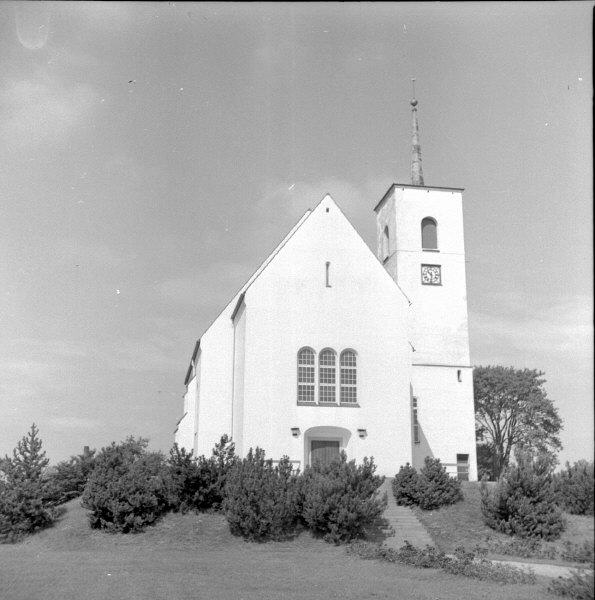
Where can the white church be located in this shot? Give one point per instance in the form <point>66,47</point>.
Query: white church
<point>328,348</point>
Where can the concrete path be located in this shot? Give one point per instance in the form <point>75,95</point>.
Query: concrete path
<point>399,523</point>
<point>544,569</point>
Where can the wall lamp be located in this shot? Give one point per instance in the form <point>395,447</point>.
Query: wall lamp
<point>295,431</point>
<point>362,433</point>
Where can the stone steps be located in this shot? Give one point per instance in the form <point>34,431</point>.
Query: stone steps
<point>399,524</point>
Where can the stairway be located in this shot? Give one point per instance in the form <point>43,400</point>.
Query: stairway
<point>398,523</point>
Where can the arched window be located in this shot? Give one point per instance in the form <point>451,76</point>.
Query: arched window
<point>348,377</point>
<point>306,366</point>
<point>327,376</point>
<point>429,234</point>
<point>385,244</point>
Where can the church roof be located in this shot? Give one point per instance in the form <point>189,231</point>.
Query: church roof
<point>239,296</point>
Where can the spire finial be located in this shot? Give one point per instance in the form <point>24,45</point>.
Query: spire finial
<point>417,176</point>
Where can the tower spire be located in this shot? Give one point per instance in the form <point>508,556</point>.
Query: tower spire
<point>417,176</point>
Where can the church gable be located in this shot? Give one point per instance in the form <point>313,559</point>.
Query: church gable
<point>326,300</point>
<point>324,253</point>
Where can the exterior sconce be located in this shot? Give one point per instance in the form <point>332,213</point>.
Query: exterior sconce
<point>362,433</point>
<point>295,431</point>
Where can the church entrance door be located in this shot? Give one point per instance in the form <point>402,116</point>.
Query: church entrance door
<point>324,451</point>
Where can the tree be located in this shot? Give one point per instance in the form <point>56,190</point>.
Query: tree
<point>523,502</point>
<point>512,410</point>
<point>23,508</point>
<point>68,478</point>
<point>129,487</point>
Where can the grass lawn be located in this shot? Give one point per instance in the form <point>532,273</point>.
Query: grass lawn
<point>462,525</point>
<point>195,557</point>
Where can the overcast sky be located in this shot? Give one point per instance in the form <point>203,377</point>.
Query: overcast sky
<point>152,155</point>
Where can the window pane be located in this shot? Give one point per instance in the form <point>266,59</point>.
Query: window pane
<point>306,357</point>
<point>327,375</point>
<point>348,377</point>
<point>349,394</point>
<point>306,374</point>
<point>348,359</point>
<point>327,357</point>
<point>327,393</point>
<point>305,393</point>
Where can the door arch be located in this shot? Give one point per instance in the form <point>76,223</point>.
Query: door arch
<point>325,442</point>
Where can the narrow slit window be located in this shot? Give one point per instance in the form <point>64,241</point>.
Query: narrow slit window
<point>415,423</point>
<point>463,467</point>
<point>328,274</point>
<point>459,375</point>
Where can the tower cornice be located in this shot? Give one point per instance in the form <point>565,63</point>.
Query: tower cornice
<point>415,187</point>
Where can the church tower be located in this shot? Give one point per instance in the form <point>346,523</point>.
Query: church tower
<point>421,244</point>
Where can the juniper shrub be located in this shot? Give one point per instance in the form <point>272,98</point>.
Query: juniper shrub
<point>339,499</point>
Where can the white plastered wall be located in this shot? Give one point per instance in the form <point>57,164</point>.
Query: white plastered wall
<point>438,325</point>
<point>445,415</point>
<point>290,306</point>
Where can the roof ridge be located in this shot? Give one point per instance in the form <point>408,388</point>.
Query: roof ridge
<point>240,293</point>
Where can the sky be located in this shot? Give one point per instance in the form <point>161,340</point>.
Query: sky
<point>152,155</point>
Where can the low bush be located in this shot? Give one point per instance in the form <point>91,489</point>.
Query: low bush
<point>429,489</point>
<point>523,547</point>
<point>537,548</point>
<point>68,478</point>
<point>406,486</point>
<point>579,585</point>
<point>199,483</point>
<point>580,553</point>
<point>129,487</point>
<point>24,489</point>
<point>437,487</point>
<point>523,502</point>
<point>338,500</point>
<point>185,479</point>
<point>214,472</point>
<point>467,564</point>
<point>574,487</point>
<point>261,499</point>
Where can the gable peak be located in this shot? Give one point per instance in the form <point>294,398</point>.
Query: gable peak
<point>326,202</point>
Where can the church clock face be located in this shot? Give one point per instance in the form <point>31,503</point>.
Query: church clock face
<point>430,275</point>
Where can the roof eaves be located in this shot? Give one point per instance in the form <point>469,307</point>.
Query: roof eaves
<point>355,231</point>
<point>238,306</point>
<point>192,362</point>
<point>268,260</point>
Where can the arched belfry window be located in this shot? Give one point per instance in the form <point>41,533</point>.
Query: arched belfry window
<point>429,234</point>
<point>348,364</point>
<point>327,376</point>
<point>385,244</point>
<point>306,374</point>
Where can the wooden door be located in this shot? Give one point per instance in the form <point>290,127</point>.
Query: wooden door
<point>324,451</point>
